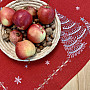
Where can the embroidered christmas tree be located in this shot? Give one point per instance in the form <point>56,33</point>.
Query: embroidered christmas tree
<point>71,36</point>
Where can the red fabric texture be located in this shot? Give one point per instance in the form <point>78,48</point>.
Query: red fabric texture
<point>37,71</point>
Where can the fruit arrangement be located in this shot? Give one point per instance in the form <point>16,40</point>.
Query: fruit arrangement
<point>29,29</point>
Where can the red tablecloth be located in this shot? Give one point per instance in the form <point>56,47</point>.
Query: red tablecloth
<point>63,63</point>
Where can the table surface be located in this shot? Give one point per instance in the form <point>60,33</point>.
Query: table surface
<point>81,81</point>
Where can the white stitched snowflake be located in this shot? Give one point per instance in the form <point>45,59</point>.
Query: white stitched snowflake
<point>26,66</point>
<point>77,8</point>
<point>47,62</point>
<point>18,80</point>
<point>82,19</point>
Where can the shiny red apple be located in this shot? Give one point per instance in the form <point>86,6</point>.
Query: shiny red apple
<point>36,33</point>
<point>22,19</point>
<point>31,10</point>
<point>46,14</point>
<point>15,36</point>
<point>6,16</point>
<point>25,49</point>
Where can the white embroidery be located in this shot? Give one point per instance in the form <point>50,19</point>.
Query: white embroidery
<point>77,8</point>
<point>47,62</point>
<point>81,18</point>
<point>61,16</point>
<point>82,34</point>
<point>65,22</point>
<point>2,85</point>
<point>86,23</point>
<point>70,44</point>
<point>18,80</point>
<point>26,66</point>
<point>69,26</point>
<point>71,37</point>
<point>59,68</point>
<point>75,31</point>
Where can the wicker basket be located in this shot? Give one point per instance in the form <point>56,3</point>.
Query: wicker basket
<point>9,48</point>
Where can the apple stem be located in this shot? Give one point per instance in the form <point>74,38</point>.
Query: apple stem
<point>41,30</point>
<point>47,7</point>
<point>18,34</point>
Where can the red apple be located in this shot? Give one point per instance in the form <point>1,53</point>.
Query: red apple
<point>22,19</point>
<point>15,36</point>
<point>6,16</point>
<point>25,49</point>
<point>46,14</point>
<point>36,33</point>
<point>31,10</point>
